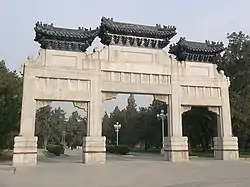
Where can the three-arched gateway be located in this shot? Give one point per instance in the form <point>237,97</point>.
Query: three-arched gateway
<point>132,61</point>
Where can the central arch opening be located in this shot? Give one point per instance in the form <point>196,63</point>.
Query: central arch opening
<point>139,129</point>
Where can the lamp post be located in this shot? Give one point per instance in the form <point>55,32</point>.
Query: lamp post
<point>117,127</point>
<point>162,117</point>
<point>63,138</point>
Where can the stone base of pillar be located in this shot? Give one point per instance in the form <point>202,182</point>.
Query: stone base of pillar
<point>226,148</point>
<point>94,150</point>
<point>25,151</point>
<point>176,149</point>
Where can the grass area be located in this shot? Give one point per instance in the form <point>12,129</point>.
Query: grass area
<point>5,155</point>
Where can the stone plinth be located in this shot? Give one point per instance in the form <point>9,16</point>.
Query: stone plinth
<point>176,149</point>
<point>226,148</point>
<point>94,150</point>
<point>25,151</point>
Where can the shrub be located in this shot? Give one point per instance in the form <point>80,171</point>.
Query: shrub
<point>110,148</point>
<point>120,149</point>
<point>55,149</point>
<point>6,155</point>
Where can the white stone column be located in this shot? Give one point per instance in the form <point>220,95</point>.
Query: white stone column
<point>175,145</point>
<point>225,145</point>
<point>94,144</point>
<point>25,145</point>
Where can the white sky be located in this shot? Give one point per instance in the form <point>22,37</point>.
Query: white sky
<point>195,19</point>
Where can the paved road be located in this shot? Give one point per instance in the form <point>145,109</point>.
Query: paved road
<point>143,170</point>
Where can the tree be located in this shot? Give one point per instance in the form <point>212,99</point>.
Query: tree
<point>76,129</point>
<point>43,125</point>
<point>105,125</point>
<point>235,63</point>
<point>10,105</point>
<point>199,124</point>
<point>128,131</point>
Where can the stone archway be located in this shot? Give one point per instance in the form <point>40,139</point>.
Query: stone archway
<point>132,61</point>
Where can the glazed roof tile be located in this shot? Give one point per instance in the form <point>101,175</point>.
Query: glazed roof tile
<point>114,27</point>
<point>197,47</point>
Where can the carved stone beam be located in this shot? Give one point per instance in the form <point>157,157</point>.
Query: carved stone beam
<point>42,103</point>
<point>185,109</point>
<point>81,105</point>
<point>214,109</point>
<point>163,98</point>
<point>109,96</point>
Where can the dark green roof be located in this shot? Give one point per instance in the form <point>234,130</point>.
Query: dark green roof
<point>196,51</point>
<point>64,39</point>
<point>129,29</point>
<point>110,33</point>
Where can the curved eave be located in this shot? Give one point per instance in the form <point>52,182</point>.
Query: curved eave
<point>137,30</point>
<point>64,34</point>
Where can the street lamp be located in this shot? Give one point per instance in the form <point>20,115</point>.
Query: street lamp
<point>117,127</point>
<point>63,138</point>
<point>162,117</point>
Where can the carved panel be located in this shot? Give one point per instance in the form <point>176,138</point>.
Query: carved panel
<point>143,78</point>
<point>81,105</point>
<point>106,76</point>
<point>109,96</point>
<point>42,103</point>
<point>135,78</point>
<point>163,98</point>
<point>127,77</point>
<point>200,91</point>
<point>116,76</point>
<point>88,64</point>
<point>62,61</point>
<point>62,84</point>
<point>165,79</point>
<point>198,71</point>
<point>155,79</point>
<point>132,56</point>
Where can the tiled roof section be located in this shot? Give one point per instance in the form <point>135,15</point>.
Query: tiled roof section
<point>196,51</point>
<point>48,35</point>
<point>118,33</point>
<point>110,33</point>
<point>165,32</point>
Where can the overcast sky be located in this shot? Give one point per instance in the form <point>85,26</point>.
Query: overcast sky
<point>197,20</point>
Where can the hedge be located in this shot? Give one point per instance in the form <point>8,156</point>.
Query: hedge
<point>55,149</point>
<point>118,149</point>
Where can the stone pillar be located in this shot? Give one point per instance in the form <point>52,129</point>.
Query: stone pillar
<point>25,145</point>
<point>94,144</point>
<point>225,145</point>
<point>175,145</point>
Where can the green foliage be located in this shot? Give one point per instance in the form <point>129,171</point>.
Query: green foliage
<point>51,123</point>
<point>235,63</point>
<point>6,155</point>
<point>10,105</point>
<point>55,149</point>
<point>118,149</point>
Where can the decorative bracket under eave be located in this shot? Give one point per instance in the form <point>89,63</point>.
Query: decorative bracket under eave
<point>42,103</point>
<point>109,96</point>
<point>81,105</point>
<point>162,98</point>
